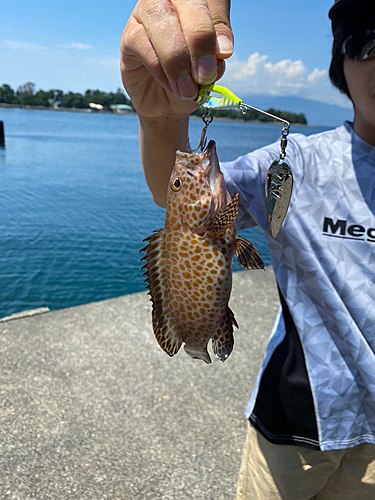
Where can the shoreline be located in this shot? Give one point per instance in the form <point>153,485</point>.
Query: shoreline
<point>125,112</point>
<point>70,110</point>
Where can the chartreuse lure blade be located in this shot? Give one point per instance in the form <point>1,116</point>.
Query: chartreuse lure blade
<point>223,97</point>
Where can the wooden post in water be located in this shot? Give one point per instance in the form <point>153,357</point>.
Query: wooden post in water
<point>2,136</point>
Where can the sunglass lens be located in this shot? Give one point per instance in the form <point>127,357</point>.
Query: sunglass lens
<point>369,50</point>
<point>360,45</point>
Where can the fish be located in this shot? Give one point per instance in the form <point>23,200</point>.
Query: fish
<point>188,265</point>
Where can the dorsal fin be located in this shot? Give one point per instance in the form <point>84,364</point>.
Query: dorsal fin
<point>165,330</point>
<point>226,217</point>
<point>247,255</point>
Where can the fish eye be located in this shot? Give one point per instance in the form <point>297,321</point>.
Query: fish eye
<point>176,184</point>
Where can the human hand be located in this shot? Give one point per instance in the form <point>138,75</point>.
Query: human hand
<point>168,48</point>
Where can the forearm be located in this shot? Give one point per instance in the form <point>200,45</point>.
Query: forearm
<point>160,138</point>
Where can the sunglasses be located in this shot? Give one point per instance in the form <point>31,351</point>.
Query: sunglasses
<point>360,45</point>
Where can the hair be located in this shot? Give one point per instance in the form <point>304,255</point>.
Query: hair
<point>336,69</point>
<point>348,17</point>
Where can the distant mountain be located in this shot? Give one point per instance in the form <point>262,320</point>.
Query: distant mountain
<point>317,113</point>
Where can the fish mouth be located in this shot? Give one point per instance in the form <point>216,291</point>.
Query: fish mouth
<point>210,149</point>
<point>220,195</point>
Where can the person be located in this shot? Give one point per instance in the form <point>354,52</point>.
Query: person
<point>311,416</point>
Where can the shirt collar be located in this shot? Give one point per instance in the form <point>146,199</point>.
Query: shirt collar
<point>360,147</point>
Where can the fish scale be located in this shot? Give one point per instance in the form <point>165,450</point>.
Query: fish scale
<point>189,261</point>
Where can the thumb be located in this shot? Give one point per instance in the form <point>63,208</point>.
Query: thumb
<point>220,13</point>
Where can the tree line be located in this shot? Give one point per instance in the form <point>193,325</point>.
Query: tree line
<point>252,115</point>
<point>28,95</point>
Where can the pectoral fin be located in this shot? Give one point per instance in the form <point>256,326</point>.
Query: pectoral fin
<point>165,330</point>
<point>247,255</point>
<point>226,217</point>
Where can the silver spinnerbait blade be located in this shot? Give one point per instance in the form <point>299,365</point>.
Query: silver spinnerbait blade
<point>279,184</point>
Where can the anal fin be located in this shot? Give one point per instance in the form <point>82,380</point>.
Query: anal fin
<point>232,318</point>
<point>165,330</point>
<point>247,255</point>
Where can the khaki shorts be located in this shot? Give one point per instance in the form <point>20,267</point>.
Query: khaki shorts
<point>273,472</point>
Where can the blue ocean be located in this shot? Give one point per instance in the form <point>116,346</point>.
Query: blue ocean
<point>74,206</point>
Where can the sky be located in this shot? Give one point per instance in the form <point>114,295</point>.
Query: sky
<point>282,48</point>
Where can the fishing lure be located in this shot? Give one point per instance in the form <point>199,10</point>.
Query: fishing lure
<point>279,180</point>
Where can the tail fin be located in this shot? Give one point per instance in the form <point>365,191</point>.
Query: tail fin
<point>198,354</point>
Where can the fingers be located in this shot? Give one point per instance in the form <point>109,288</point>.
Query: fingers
<point>200,37</point>
<point>220,15</point>
<point>138,56</point>
<point>180,42</point>
<point>164,28</point>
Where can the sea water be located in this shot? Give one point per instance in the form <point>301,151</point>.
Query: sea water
<point>75,208</point>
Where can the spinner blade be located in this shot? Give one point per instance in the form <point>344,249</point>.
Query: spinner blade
<point>279,185</point>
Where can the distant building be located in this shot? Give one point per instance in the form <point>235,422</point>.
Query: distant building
<point>121,108</point>
<point>93,105</point>
<point>54,103</point>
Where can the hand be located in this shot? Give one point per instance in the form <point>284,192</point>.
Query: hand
<point>168,48</point>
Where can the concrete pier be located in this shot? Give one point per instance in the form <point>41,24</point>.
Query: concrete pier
<point>92,408</point>
<point>2,135</point>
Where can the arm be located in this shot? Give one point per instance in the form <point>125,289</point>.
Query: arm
<point>168,47</point>
<point>160,138</point>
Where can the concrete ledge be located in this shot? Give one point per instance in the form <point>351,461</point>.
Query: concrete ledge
<point>25,314</point>
<point>91,407</point>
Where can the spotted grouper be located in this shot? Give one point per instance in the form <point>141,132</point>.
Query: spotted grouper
<point>189,261</point>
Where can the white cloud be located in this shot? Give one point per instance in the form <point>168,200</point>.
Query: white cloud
<point>257,75</point>
<point>23,46</point>
<point>78,46</point>
<point>316,75</point>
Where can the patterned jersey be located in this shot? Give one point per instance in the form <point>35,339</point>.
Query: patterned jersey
<point>316,386</point>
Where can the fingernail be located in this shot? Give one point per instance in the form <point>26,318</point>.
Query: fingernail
<point>225,45</point>
<point>186,87</point>
<point>206,69</point>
